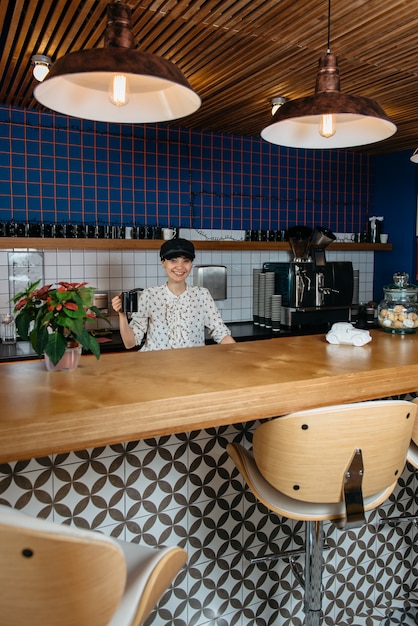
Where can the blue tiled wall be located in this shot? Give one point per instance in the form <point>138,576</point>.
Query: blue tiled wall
<point>56,169</point>
<point>396,196</point>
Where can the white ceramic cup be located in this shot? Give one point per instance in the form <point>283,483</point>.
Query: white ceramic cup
<point>168,233</point>
<point>384,237</point>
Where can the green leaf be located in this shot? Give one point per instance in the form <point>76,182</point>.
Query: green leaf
<point>56,347</point>
<point>39,339</point>
<point>83,337</point>
<point>74,325</point>
<point>99,314</point>
<point>87,296</point>
<point>94,347</point>
<point>22,325</point>
<point>64,313</point>
<point>22,294</point>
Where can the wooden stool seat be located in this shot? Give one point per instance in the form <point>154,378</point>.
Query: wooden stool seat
<point>58,575</point>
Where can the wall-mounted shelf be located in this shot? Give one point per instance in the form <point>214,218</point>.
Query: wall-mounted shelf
<point>39,243</point>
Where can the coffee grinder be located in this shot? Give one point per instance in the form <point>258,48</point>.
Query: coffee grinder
<point>314,292</point>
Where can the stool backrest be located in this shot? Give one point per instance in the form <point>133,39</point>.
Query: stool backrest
<point>413,448</point>
<point>55,575</point>
<point>305,455</point>
<point>415,431</point>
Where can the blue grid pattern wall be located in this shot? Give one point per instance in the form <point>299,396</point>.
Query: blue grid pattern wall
<point>55,169</point>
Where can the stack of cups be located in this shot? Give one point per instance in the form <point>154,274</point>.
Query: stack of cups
<point>356,284</point>
<point>269,291</point>
<point>355,301</point>
<point>256,288</point>
<point>276,307</point>
<point>262,299</point>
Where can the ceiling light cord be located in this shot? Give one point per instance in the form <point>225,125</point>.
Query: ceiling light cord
<point>329,28</point>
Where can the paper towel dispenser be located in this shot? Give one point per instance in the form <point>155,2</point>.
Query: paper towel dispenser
<point>213,277</point>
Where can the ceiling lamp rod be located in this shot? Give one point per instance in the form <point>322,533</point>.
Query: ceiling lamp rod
<point>117,83</point>
<point>329,119</point>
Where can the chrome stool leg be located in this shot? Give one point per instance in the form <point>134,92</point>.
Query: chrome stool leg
<point>309,577</point>
<point>314,542</point>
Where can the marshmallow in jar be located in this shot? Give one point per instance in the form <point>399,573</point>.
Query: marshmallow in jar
<point>398,312</point>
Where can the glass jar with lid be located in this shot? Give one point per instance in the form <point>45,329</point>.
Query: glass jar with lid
<point>398,312</point>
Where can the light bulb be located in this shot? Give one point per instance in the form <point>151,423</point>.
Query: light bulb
<point>119,90</point>
<point>327,125</point>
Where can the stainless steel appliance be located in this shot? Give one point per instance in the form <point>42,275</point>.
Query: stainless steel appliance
<point>313,291</point>
<point>213,277</point>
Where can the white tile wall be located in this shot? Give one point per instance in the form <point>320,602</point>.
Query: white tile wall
<point>117,270</point>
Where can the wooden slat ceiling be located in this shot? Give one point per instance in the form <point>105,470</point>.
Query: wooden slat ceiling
<point>237,54</point>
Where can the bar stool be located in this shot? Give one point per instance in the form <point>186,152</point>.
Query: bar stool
<point>327,464</point>
<point>413,448</point>
<point>58,575</point>
<point>407,615</point>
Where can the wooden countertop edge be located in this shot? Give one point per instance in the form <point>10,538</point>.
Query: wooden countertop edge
<point>121,424</point>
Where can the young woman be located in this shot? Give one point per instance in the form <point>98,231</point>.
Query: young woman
<point>173,315</point>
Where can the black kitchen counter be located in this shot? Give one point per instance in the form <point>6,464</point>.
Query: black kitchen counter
<point>241,331</point>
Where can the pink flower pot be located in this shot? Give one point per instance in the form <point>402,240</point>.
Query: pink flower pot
<point>68,362</point>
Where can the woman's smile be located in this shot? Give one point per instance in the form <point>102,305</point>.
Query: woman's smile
<point>177,269</point>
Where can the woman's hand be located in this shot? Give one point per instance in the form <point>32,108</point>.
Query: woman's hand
<point>126,332</point>
<point>117,303</point>
<point>228,339</point>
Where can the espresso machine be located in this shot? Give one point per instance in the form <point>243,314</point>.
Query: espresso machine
<point>314,292</point>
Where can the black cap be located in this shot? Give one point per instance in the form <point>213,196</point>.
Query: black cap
<point>177,247</point>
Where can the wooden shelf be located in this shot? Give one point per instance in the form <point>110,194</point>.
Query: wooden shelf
<point>39,243</point>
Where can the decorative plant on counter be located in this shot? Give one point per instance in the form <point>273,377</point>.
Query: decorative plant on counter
<point>54,318</point>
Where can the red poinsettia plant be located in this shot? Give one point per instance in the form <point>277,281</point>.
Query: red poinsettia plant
<point>54,318</point>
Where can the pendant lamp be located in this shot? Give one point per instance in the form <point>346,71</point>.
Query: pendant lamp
<point>414,157</point>
<point>329,118</point>
<point>117,83</point>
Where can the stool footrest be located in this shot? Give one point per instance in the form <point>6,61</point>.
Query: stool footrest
<point>297,570</point>
<point>286,554</point>
<point>402,519</point>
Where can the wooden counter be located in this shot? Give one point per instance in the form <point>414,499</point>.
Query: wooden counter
<point>129,396</point>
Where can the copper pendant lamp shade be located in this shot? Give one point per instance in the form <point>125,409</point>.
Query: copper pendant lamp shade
<point>152,89</point>
<point>353,120</point>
